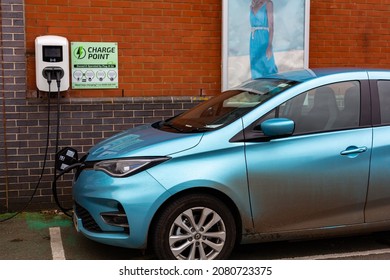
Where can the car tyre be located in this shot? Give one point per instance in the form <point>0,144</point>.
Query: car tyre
<point>196,226</point>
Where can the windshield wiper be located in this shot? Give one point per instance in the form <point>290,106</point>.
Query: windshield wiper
<point>168,124</point>
<point>202,129</point>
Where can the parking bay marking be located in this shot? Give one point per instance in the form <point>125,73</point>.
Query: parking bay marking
<point>57,249</point>
<point>342,255</point>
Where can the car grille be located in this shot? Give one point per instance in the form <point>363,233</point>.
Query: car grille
<point>88,221</point>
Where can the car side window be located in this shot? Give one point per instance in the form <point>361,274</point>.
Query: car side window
<point>384,100</point>
<point>331,107</point>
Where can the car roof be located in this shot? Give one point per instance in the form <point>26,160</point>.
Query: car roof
<point>302,75</point>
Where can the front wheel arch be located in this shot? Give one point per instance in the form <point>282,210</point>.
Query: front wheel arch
<point>207,192</point>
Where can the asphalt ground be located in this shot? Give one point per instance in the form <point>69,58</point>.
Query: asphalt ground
<point>51,235</point>
<point>27,235</point>
<point>43,235</point>
<point>29,241</point>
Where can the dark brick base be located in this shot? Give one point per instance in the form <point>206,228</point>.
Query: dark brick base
<point>83,123</point>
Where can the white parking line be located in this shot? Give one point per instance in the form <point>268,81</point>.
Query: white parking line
<point>342,255</point>
<point>57,250</point>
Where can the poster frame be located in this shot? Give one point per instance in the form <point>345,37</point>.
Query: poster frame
<point>226,71</point>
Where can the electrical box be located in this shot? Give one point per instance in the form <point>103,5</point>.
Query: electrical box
<point>52,63</point>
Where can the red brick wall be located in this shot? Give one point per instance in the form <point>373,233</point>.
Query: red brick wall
<point>173,47</point>
<point>166,47</point>
<point>350,33</point>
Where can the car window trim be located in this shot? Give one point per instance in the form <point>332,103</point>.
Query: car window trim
<point>376,108</point>
<point>248,134</point>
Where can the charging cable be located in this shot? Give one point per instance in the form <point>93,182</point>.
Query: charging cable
<point>59,75</point>
<point>48,78</point>
<point>49,73</point>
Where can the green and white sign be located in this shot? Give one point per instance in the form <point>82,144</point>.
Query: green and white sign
<point>94,65</point>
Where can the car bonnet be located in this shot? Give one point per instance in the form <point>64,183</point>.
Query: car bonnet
<point>143,141</point>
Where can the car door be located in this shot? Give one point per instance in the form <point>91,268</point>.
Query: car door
<point>318,176</point>
<point>378,198</point>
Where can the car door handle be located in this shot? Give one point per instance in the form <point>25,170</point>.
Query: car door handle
<point>353,150</point>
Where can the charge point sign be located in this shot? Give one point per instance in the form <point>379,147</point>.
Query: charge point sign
<point>94,65</point>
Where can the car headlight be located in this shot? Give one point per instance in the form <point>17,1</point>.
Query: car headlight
<point>127,167</point>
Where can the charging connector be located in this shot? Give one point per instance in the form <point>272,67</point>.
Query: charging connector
<point>47,74</point>
<point>59,75</point>
<point>53,72</point>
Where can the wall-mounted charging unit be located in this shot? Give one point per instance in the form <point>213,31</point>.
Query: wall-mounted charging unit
<point>52,62</point>
<point>52,67</point>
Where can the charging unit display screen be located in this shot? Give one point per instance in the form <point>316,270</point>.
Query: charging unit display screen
<point>52,53</point>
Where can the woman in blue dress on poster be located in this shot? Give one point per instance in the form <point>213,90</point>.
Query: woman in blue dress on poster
<point>262,59</point>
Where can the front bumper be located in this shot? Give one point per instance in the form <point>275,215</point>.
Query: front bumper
<point>116,211</point>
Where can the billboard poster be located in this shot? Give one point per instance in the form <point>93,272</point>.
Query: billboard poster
<point>262,37</point>
<point>94,65</point>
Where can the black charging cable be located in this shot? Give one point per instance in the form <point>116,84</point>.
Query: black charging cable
<point>49,79</point>
<point>59,75</point>
<point>49,73</point>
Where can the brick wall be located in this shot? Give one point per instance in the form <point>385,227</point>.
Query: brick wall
<point>169,55</point>
<point>350,33</point>
<point>83,122</point>
<point>166,48</point>
<point>13,90</point>
<point>170,52</point>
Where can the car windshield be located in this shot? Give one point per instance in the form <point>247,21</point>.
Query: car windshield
<point>226,107</point>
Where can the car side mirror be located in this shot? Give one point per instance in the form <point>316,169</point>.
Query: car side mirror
<point>277,127</point>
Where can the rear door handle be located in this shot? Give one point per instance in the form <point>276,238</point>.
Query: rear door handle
<point>351,150</point>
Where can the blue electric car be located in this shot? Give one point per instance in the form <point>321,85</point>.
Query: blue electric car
<point>292,155</point>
